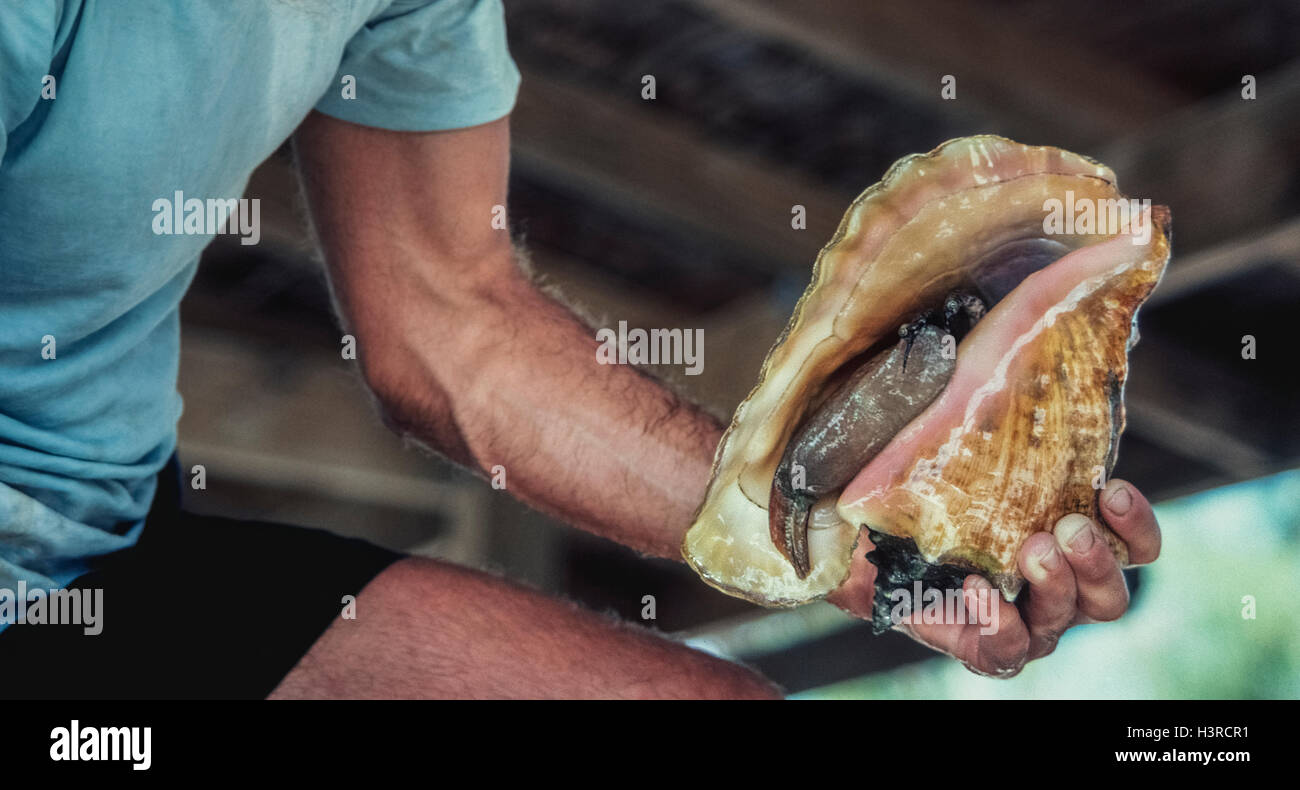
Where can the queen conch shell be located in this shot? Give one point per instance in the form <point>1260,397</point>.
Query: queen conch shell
<point>1028,424</point>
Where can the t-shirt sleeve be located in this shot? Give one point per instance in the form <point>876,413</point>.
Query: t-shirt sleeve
<point>425,65</point>
<point>27,33</point>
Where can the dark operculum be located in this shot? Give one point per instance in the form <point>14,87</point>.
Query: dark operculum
<point>899,566</point>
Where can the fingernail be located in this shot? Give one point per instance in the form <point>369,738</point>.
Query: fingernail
<point>1049,557</point>
<point>1074,533</point>
<point>1040,563</point>
<point>1119,500</point>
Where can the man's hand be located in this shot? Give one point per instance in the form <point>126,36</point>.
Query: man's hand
<point>1072,579</point>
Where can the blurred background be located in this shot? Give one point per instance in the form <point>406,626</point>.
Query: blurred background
<point>675,212</point>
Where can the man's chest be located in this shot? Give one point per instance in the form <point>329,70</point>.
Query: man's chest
<point>153,99</point>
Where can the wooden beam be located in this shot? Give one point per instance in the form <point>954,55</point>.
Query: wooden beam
<point>764,631</point>
<point>1214,445</point>
<point>1226,166</point>
<point>1201,410</point>
<point>1046,87</point>
<point>1232,259</point>
<point>626,153</point>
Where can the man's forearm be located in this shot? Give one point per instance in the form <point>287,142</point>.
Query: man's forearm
<point>604,447</point>
<point>467,355</point>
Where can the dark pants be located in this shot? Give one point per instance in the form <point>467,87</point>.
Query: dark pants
<point>200,608</point>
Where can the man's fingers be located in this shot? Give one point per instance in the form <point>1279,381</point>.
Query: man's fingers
<point>1073,577</point>
<point>1050,605</point>
<point>999,653</point>
<point>1129,513</point>
<point>1101,591</point>
<point>1003,652</point>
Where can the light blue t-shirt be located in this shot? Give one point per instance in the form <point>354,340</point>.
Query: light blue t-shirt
<point>152,97</point>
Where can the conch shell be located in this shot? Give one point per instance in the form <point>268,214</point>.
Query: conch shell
<point>1027,426</point>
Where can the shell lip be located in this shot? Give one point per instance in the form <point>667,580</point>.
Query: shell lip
<point>778,602</point>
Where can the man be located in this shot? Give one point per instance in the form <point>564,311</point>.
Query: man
<point>401,115</point>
